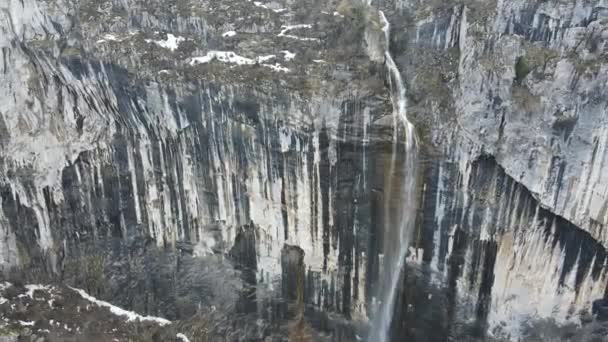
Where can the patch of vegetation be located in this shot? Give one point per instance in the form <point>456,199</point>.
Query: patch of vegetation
<point>478,11</point>
<point>535,60</point>
<point>10,330</point>
<point>434,73</point>
<point>41,44</point>
<point>88,270</point>
<point>424,133</point>
<point>352,8</point>
<point>357,12</point>
<point>587,67</point>
<point>94,272</point>
<point>522,69</point>
<point>491,63</point>
<point>71,51</point>
<point>525,99</point>
<point>22,252</point>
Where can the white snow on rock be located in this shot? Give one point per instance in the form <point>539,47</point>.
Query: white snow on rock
<point>288,55</point>
<point>222,56</point>
<point>229,34</point>
<point>263,59</point>
<point>276,67</point>
<point>27,323</point>
<point>293,27</point>
<point>232,58</point>
<point>287,28</point>
<point>182,337</point>
<point>172,42</point>
<point>108,37</point>
<point>131,316</point>
<point>33,287</point>
<point>5,285</point>
<point>261,5</point>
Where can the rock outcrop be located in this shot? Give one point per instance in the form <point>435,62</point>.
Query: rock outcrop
<point>150,146</point>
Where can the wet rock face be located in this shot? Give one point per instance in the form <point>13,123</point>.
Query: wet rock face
<point>500,256</point>
<point>507,99</point>
<point>522,82</point>
<point>139,138</point>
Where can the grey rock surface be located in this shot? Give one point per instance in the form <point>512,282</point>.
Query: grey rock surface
<point>137,137</point>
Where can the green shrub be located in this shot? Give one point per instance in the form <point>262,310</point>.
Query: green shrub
<point>522,69</point>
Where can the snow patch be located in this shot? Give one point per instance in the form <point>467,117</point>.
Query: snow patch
<point>131,316</point>
<point>287,28</point>
<point>182,337</point>
<point>232,58</point>
<point>276,67</point>
<point>287,55</point>
<point>27,323</point>
<point>261,5</point>
<point>32,288</point>
<point>293,27</point>
<point>263,59</point>
<point>172,42</point>
<point>108,38</point>
<point>222,56</point>
<point>229,34</point>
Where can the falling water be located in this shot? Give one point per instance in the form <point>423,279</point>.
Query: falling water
<point>401,208</point>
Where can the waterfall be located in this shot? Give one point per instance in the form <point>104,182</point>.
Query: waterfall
<point>400,199</point>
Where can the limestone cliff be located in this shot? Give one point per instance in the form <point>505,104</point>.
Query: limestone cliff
<point>153,152</point>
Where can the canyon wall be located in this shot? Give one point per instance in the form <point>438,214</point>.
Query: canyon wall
<point>136,134</point>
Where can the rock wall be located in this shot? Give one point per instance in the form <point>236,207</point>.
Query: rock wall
<point>232,130</point>
<point>504,259</point>
<point>523,81</point>
<point>508,96</point>
<point>101,149</point>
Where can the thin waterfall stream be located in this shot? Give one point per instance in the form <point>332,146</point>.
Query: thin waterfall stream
<point>400,199</point>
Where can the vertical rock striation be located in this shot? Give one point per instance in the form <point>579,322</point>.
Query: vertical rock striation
<point>146,148</point>
<point>109,142</point>
<point>506,96</point>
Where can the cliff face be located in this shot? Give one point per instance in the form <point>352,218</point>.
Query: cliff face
<point>136,135</point>
<point>139,139</point>
<point>509,98</point>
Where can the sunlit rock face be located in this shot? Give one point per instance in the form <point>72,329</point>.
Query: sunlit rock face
<point>524,82</point>
<point>509,98</point>
<point>133,127</point>
<point>141,142</point>
<point>505,258</point>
